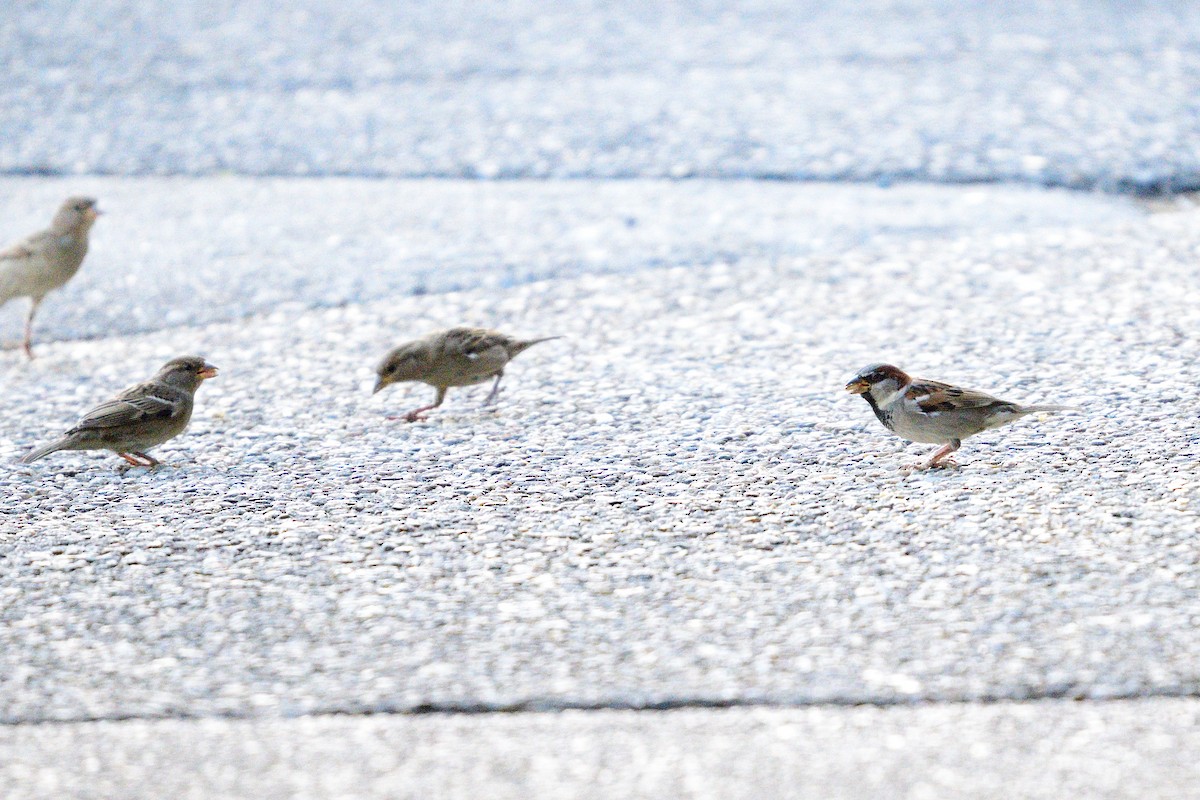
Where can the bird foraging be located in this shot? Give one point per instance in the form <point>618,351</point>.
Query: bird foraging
<point>139,418</point>
<point>932,412</point>
<point>454,357</point>
<point>48,259</point>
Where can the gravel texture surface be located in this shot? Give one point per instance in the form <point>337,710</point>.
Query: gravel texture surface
<point>673,506</point>
<point>1047,750</point>
<point>1050,92</point>
<point>185,252</point>
<point>676,503</point>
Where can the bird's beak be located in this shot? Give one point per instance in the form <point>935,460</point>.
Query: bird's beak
<point>379,384</point>
<point>858,386</point>
<point>95,212</point>
<point>207,371</point>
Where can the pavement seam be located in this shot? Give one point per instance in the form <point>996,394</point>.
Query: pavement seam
<point>544,706</point>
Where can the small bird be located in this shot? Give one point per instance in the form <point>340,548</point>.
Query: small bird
<point>139,418</point>
<point>454,357</point>
<point>932,412</point>
<point>47,259</point>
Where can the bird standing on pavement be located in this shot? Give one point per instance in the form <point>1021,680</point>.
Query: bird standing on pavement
<point>454,357</point>
<point>932,412</point>
<point>48,259</point>
<point>139,418</point>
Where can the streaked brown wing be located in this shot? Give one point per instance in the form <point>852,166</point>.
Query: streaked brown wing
<point>933,396</point>
<point>16,252</point>
<point>473,341</point>
<point>145,401</point>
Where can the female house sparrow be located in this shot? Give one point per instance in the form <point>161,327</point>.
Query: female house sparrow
<point>139,418</point>
<point>48,259</point>
<point>454,357</point>
<point>928,411</point>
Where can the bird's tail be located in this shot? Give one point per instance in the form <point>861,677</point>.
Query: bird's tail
<point>45,450</point>
<point>1045,409</point>
<point>522,346</point>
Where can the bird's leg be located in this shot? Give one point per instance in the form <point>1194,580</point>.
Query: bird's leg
<point>131,459</point>
<point>495,393</point>
<point>151,461</point>
<point>938,459</point>
<point>415,414</point>
<point>28,343</point>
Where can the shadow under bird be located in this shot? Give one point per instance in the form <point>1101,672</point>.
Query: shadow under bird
<point>454,357</point>
<point>933,412</point>
<point>48,259</point>
<point>139,418</point>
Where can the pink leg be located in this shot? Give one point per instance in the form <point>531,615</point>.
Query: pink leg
<point>495,393</point>
<point>415,414</point>
<point>938,459</point>
<point>149,461</point>
<point>28,343</point>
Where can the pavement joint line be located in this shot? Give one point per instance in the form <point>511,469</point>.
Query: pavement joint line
<point>1164,187</point>
<point>547,706</point>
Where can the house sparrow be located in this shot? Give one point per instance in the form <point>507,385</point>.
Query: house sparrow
<point>48,259</point>
<point>454,357</point>
<point>932,412</point>
<point>139,418</point>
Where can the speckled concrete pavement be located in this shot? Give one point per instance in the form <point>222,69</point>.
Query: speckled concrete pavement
<point>1080,94</point>
<point>675,504</point>
<point>1046,750</point>
<point>176,252</point>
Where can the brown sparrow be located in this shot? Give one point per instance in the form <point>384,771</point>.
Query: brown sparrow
<point>139,418</point>
<point>48,259</point>
<point>932,412</point>
<point>454,357</point>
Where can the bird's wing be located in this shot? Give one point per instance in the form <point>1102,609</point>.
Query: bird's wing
<point>475,352</point>
<point>473,341</point>
<point>144,401</point>
<point>20,267</point>
<point>25,248</point>
<point>931,396</point>
<point>17,252</point>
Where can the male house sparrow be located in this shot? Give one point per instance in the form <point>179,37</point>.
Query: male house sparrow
<point>47,259</point>
<point>139,418</point>
<point>454,357</point>
<point>932,412</point>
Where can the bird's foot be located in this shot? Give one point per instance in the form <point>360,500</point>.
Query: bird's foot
<point>412,416</point>
<point>140,460</point>
<point>945,463</point>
